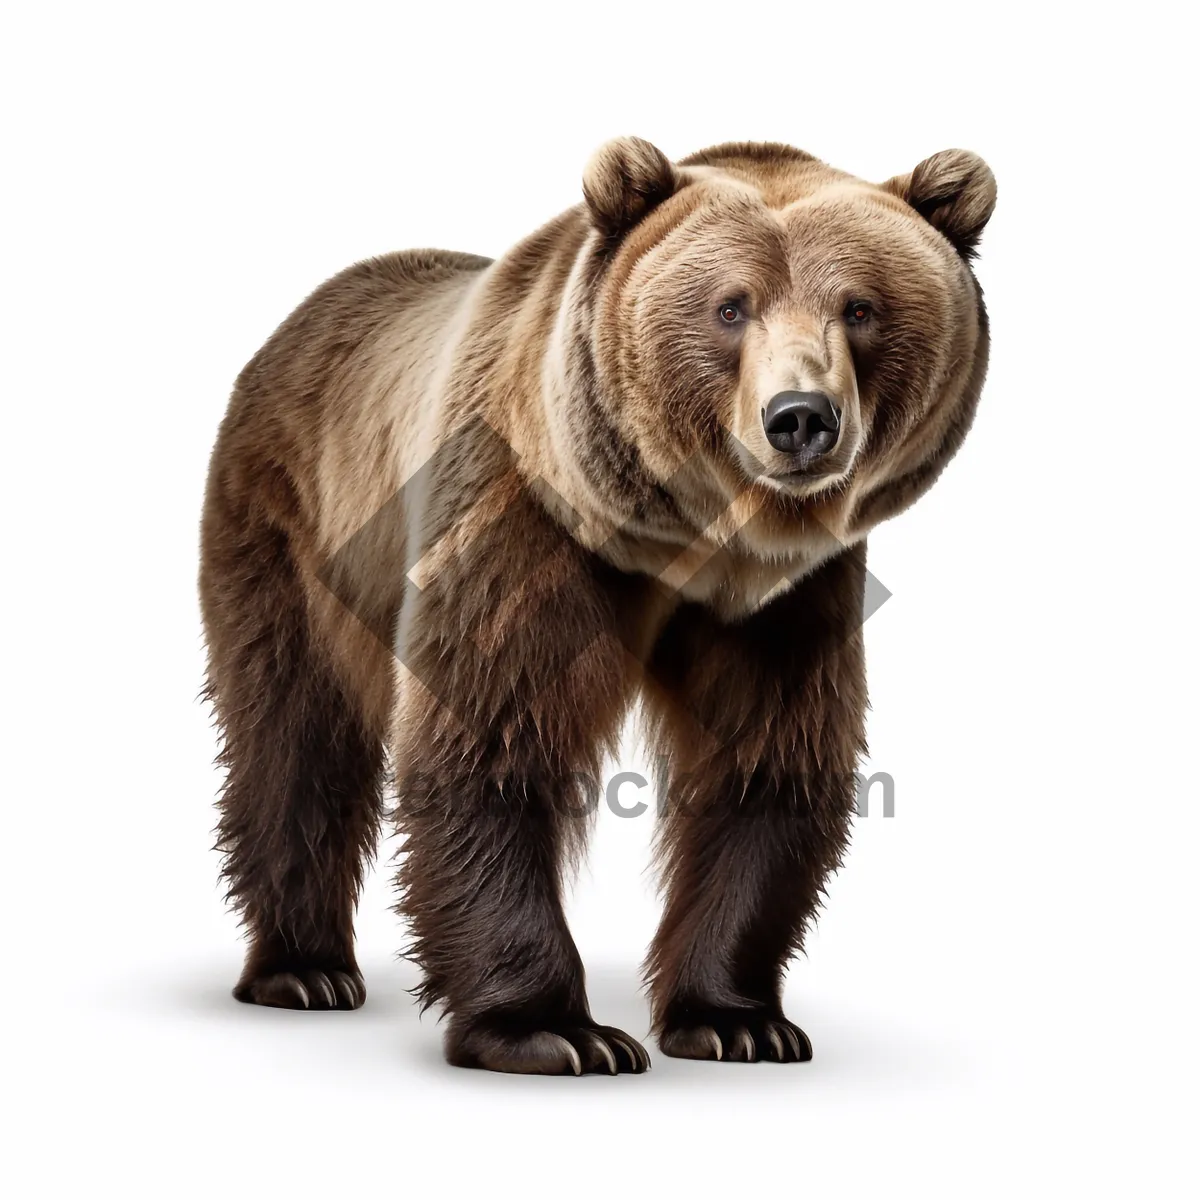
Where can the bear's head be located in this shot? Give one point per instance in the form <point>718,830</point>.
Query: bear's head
<point>755,323</point>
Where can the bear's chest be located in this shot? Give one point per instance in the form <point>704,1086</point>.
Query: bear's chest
<point>730,575</point>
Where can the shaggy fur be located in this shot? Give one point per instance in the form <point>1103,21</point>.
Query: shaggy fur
<point>470,510</point>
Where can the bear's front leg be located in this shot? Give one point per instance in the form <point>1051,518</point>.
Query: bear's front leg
<point>514,682</point>
<point>762,721</point>
<point>481,884</point>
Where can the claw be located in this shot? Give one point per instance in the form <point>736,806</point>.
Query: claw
<point>297,986</point>
<point>745,1043</point>
<point>806,1051</point>
<point>790,1034</point>
<point>319,982</point>
<point>637,1061</point>
<point>607,1054</point>
<point>776,1042</point>
<point>572,1053</point>
<point>716,1043</point>
<point>346,988</point>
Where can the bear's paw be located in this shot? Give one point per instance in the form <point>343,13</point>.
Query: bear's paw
<point>735,1035</point>
<point>552,1048</point>
<point>304,988</point>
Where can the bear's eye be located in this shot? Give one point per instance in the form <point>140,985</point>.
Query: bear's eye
<point>730,313</point>
<point>857,312</point>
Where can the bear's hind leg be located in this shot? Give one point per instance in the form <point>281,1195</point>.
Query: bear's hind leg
<point>300,806</point>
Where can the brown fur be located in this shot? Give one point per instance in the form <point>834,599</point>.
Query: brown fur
<point>470,510</point>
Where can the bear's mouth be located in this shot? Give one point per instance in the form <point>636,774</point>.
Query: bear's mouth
<point>799,474</point>
<point>803,483</point>
<point>807,470</point>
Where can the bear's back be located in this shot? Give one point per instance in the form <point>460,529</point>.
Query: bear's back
<point>340,315</point>
<point>335,405</point>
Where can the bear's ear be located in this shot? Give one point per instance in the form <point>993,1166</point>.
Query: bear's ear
<point>624,180</point>
<point>955,191</point>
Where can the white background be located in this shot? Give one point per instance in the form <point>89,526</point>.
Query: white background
<point>1000,992</point>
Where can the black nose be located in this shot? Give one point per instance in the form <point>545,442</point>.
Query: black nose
<point>806,421</point>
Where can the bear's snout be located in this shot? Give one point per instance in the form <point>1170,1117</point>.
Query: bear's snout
<point>802,423</point>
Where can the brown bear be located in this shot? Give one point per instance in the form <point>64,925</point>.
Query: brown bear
<point>462,513</point>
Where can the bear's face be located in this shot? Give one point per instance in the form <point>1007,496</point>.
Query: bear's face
<point>770,327</point>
